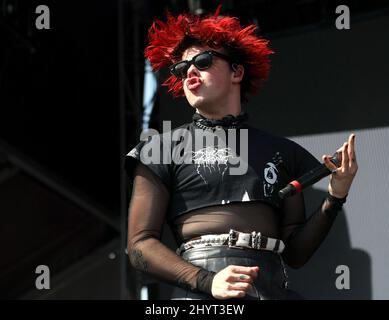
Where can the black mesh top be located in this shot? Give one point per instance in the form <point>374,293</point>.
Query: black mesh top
<point>207,174</point>
<point>202,196</point>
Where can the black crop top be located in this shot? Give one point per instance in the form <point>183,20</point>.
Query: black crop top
<point>199,174</point>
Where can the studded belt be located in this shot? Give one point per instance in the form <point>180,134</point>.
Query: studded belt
<point>234,239</point>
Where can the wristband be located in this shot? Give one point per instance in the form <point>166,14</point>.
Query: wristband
<point>335,204</point>
<point>204,281</point>
<point>339,201</point>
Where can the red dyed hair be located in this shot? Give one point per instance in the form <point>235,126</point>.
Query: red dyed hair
<point>168,40</point>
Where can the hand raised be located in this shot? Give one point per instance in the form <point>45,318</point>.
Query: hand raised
<point>342,176</point>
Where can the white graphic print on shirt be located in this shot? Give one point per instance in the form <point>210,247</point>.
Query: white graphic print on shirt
<point>212,159</point>
<point>271,174</point>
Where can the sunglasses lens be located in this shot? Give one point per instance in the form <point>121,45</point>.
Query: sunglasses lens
<point>181,69</point>
<point>203,61</point>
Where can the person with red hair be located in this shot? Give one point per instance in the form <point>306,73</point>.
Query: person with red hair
<point>168,41</point>
<point>233,231</point>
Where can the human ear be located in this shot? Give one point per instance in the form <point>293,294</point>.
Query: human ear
<point>238,72</point>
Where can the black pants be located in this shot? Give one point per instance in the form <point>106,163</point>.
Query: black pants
<point>271,283</point>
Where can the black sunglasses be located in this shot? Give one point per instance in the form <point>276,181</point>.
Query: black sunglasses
<point>202,61</point>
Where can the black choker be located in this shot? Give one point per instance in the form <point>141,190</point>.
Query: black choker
<point>228,121</point>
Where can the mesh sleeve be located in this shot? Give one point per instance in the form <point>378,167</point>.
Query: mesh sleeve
<point>147,253</point>
<point>303,237</point>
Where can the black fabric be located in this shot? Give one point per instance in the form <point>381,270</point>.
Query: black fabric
<point>271,283</point>
<point>338,202</point>
<point>155,143</point>
<point>177,192</point>
<point>204,281</point>
<point>272,162</point>
<point>147,253</point>
<point>243,216</point>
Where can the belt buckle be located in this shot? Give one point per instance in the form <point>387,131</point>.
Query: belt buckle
<point>254,240</point>
<point>244,240</point>
<point>258,241</point>
<point>232,236</point>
